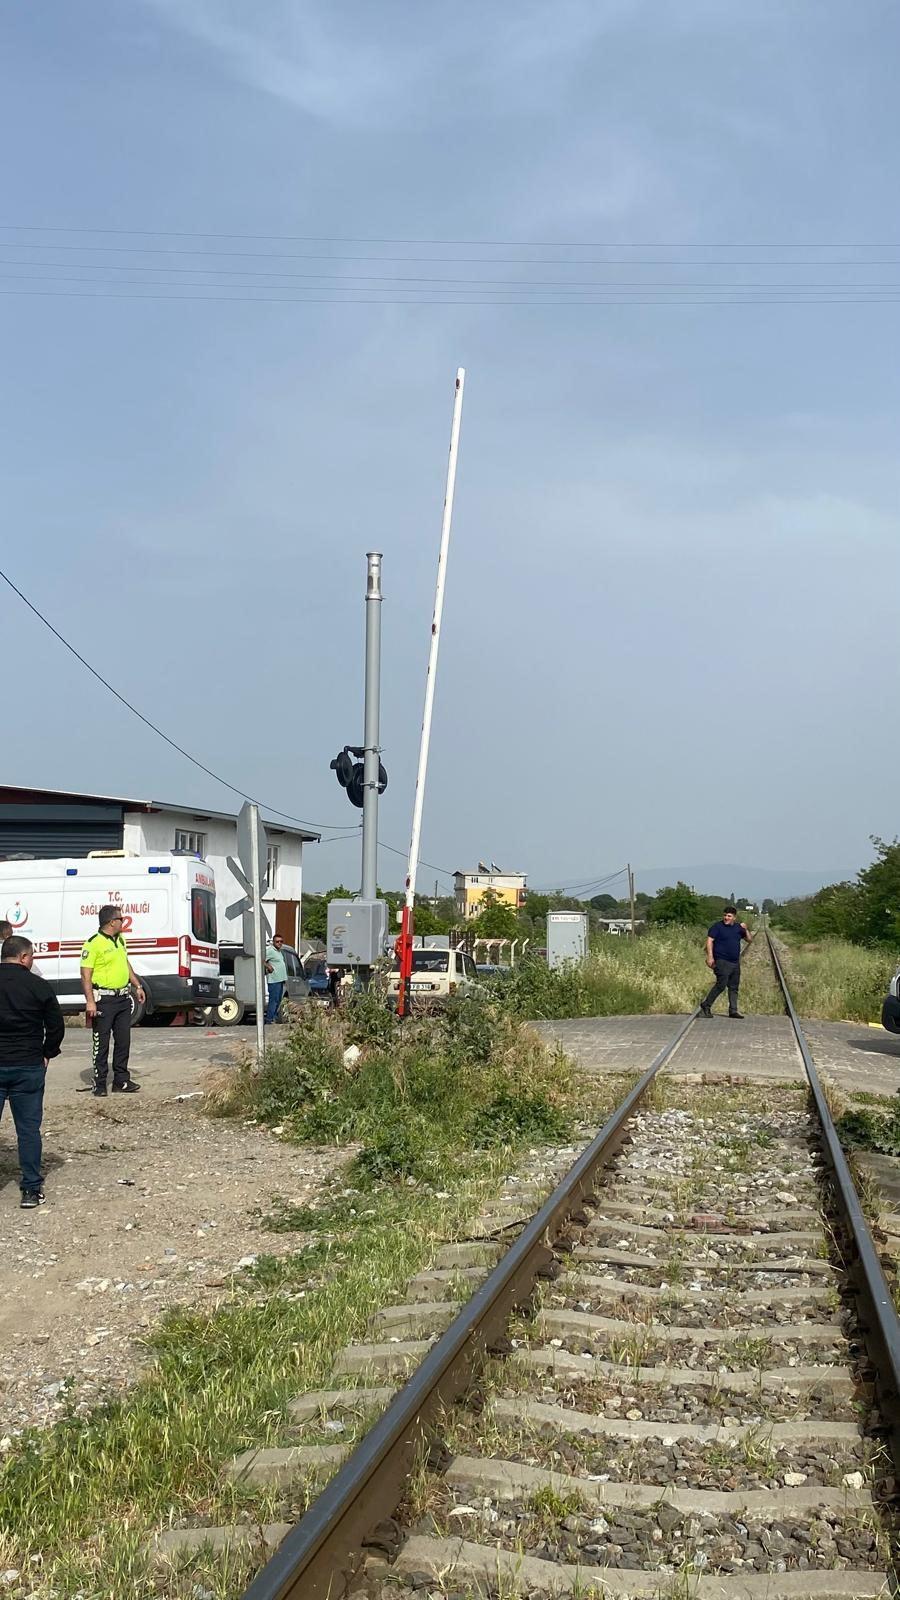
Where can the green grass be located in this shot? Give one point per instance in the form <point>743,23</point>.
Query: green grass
<point>664,971</point>
<point>85,1496</point>
<point>421,1095</point>
<point>835,980</point>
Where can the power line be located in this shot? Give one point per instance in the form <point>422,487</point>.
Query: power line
<point>443,872</point>
<point>209,278</point>
<point>152,725</point>
<point>126,293</point>
<point>493,244</point>
<point>512,261</point>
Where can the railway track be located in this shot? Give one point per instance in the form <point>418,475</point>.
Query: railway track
<point>680,1379</point>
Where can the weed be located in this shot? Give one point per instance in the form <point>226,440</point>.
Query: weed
<point>419,1097</point>
<point>551,1508</point>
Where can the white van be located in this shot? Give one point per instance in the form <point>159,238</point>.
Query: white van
<point>169,906</point>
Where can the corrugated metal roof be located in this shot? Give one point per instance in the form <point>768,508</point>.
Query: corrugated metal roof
<point>25,794</point>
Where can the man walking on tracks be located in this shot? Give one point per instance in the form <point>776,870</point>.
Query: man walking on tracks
<point>723,955</point>
<point>31,1032</point>
<point>106,978</point>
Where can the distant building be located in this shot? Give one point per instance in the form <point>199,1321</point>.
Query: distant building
<point>471,887</point>
<point>47,823</point>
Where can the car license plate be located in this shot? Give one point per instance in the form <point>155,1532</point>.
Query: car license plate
<point>421,986</point>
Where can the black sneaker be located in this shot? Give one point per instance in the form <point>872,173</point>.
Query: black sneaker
<point>31,1198</point>
<point>738,1016</point>
<point>125,1088</point>
<point>704,1010</point>
<point>99,1090</point>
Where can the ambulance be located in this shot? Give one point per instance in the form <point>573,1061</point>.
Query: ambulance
<point>169,908</point>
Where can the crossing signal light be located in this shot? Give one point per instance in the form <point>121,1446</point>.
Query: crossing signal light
<point>349,773</point>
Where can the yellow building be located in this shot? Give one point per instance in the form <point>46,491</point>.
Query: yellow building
<point>506,888</point>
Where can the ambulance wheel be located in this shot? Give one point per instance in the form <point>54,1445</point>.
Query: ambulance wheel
<point>229,1011</point>
<point>138,1009</point>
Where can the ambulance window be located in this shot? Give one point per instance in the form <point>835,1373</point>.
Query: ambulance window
<point>203,915</point>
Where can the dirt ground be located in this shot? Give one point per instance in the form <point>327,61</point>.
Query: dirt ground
<point>150,1204</point>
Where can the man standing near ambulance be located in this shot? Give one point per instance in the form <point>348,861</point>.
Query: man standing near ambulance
<point>107,976</point>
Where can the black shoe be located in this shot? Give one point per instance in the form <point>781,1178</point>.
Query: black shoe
<point>125,1088</point>
<point>737,1015</point>
<point>704,1010</point>
<point>99,1090</point>
<point>31,1198</point>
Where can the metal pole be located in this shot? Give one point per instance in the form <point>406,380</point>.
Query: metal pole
<point>408,909</point>
<point>631,896</point>
<point>259,954</point>
<point>371,733</point>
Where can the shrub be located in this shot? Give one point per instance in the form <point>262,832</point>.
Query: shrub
<point>422,1095</point>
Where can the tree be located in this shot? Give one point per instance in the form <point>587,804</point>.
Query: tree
<point>837,912</point>
<point>496,920</point>
<point>537,906</point>
<point>678,904</point>
<point>606,904</point>
<point>314,912</point>
<point>427,919</point>
<point>879,887</point>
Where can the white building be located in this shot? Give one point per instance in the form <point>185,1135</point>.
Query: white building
<point>45,823</point>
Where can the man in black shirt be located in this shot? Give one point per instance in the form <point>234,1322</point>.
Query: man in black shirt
<point>723,955</point>
<point>31,1032</point>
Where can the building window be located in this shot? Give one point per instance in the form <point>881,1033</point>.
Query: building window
<point>188,839</point>
<point>272,854</point>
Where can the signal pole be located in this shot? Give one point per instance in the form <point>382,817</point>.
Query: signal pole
<point>372,729</point>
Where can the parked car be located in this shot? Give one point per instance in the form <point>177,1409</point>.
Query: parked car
<point>436,976</point>
<point>230,1010</point>
<point>320,986</point>
<point>890,1011</point>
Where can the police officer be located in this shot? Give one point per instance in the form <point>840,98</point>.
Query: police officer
<point>106,978</point>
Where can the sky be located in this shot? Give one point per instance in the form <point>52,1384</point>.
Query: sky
<point>670,631</point>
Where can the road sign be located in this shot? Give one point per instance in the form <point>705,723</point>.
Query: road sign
<point>248,822</point>
<point>251,872</point>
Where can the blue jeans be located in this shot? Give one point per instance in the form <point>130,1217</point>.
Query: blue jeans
<point>23,1087</point>
<point>276,990</point>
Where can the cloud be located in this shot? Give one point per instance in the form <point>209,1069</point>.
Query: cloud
<point>294,53</point>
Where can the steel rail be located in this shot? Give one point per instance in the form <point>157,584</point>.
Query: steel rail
<point>876,1312</point>
<point>321,1552</point>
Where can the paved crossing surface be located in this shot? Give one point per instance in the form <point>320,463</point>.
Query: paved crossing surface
<point>857,1057</point>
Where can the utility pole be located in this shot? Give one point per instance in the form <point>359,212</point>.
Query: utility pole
<point>631,896</point>
<point>259,944</point>
<point>371,732</point>
<point>408,924</point>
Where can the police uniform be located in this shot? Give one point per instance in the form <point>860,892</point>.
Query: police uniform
<point>107,957</point>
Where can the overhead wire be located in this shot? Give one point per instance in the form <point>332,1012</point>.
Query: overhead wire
<point>128,293</point>
<point>154,728</point>
<point>519,261</point>
<point>506,244</point>
<point>431,280</point>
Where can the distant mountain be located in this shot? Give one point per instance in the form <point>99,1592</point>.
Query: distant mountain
<point>752,883</point>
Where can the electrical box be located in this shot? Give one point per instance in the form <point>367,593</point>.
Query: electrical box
<point>567,937</point>
<point>357,931</point>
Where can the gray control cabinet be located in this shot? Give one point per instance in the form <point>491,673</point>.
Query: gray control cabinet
<point>357,930</point>
<point>567,937</point>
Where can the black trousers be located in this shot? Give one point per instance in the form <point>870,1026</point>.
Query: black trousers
<point>728,976</point>
<point>113,1020</point>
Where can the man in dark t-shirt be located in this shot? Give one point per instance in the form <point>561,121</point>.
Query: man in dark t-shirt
<point>723,955</point>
